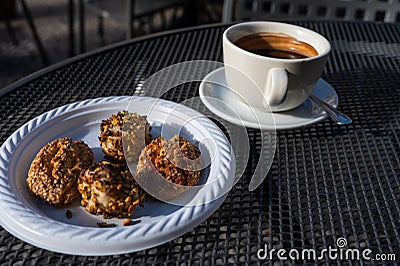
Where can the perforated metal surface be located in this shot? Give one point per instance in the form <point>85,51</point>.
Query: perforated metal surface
<point>326,181</point>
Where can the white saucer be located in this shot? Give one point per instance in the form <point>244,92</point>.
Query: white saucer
<point>219,99</point>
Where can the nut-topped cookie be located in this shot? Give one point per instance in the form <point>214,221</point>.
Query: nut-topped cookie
<point>176,160</point>
<point>53,174</point>
<point>124,128</point>
<point>109,189</point>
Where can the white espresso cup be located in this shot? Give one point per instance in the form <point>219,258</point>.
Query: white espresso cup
<point>273,66</point>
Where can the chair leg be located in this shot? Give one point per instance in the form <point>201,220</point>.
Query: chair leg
<point>81,21</point>
<point>39,44</point>
<point>227,11</point>
<point>71,33</point>
<point>130,7</point>
<point>76,26</point>
<point>100,22</point>
<point>7,22</point>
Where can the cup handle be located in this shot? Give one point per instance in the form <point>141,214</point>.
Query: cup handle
<point>276,87</point>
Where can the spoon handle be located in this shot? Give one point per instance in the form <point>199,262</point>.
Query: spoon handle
<point>332,112</point>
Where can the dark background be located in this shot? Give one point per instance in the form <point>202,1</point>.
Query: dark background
<point>18,59</point>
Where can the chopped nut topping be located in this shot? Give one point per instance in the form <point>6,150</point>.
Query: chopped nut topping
<point>176,146</point>
<point>126,128</point>
<point>110,190</point>
<point>54,171</point>
<point>154,158</point>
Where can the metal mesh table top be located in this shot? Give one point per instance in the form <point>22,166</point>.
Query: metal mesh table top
<point>326,181</point>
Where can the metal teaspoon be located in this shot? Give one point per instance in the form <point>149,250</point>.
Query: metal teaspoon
<point>332,112</point>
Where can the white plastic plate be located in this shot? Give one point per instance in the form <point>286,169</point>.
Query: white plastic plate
<point>47,227</point>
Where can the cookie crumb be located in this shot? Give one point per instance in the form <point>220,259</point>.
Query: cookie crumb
<point>68,213</point>
<point>126,222</point>
<point>105,225</point>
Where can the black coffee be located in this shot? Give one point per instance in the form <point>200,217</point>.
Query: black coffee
<point>276,45</point>
<point>278,54</point>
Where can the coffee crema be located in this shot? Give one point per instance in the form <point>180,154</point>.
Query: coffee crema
<point>276,45</point>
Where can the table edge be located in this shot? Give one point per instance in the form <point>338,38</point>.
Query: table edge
<point>24,80</point>
<point>28,78</point>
